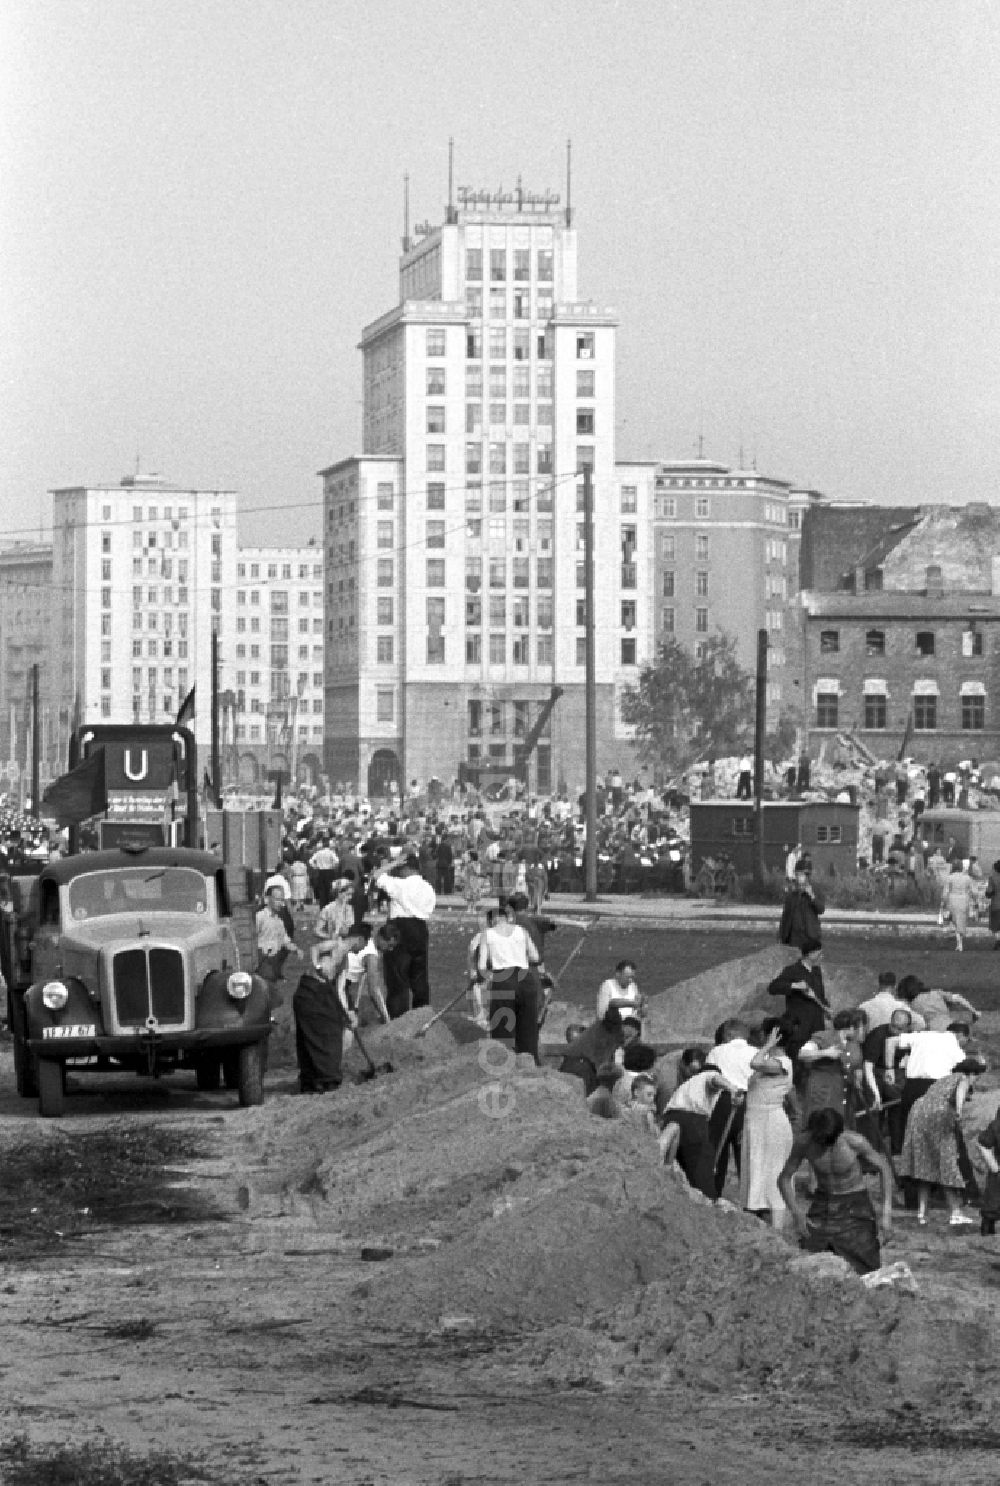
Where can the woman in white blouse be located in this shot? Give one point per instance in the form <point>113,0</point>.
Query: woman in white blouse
<point>506,951</point>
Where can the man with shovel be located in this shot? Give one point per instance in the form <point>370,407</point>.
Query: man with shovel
<point>806,1004</point>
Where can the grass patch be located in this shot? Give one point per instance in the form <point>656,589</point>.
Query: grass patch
<point>94,1463</point>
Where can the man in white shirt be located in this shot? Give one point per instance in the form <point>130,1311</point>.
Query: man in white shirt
<point>686,1137</point>
<point>878,1009</point>
<point>732,1055</point>
<point>932,1055</point>
<point>411,902</point>
<point>620,991</point>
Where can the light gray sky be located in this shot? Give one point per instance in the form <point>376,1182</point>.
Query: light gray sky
<point>793,204</point>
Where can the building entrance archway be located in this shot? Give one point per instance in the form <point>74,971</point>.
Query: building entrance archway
<point>383,770</point>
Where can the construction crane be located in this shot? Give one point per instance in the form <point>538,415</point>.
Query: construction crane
<point>527,746</point>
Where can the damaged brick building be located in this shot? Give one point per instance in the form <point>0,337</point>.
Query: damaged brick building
<point>900,629</point>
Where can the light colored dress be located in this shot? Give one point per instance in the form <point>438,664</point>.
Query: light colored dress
<point>767,1139</point>
<point>930,1149</point>
<point>955,897</point>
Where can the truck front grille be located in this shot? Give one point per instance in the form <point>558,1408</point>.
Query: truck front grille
<point>148,982</point>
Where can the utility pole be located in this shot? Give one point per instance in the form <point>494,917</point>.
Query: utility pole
<point>36,744</point>
<point>590,691</point>
<point>216,763</point>
<point>760,718</point>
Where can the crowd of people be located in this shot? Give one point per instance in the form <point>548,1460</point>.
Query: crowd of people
<point>877,1089</point>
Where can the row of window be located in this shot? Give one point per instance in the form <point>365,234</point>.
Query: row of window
<point>305,570</point>
<point>304,652</point>
<point>665,508</point>
<point>700,622</point>
<point>519,384</point>
<point>520,261</point>
<point>518,304</point>
<point>700,583</point>
<point>168,648</point>
<point>500,646</point>
<point>436,344</point>
<point>924,642</point>
<point>153,513</point>
<point>668,547</point>
<point>925,712</point>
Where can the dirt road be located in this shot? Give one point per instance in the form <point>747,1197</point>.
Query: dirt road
<point>449,1275</point>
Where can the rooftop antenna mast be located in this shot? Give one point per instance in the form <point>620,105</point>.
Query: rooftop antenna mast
<point>406,213</point>
<point>451,179</point>
<point>569,183</point>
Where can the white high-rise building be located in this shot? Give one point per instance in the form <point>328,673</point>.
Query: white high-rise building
<point>454,543</point>
<point>142,572</point>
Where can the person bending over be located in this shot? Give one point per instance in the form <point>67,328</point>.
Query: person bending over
<point>840,1218</point>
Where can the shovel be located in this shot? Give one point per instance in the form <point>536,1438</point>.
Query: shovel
<point>373,1070</point>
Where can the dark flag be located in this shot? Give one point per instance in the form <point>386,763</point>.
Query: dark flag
<point>186,713</point>
<point>907,735</point>
<point>76,796</point>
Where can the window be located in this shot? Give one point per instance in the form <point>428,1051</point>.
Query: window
<point>474,343</point>
<point>473,459</point>
<point>498,265</point>
<point>972,642</point>
<point>925,642</point>
<point>628,653</point>
<point>875,643</point>
<point>435,456</point>
<point>701,621</point>
<point>668,621</point>
<point>629,500</point>
<point>498,650</point>
<point>435,342</point>
<point>875,712</point>
<point>498,610</point>
<point>585,421</point>
<point>581,650</point>
<point>629,573</point>
<point>973,712</point>
<point>827,707</point>
<point>522,351</point>
<point>520,572</point>
<point>383,653</point>
<point>435,533</point>
<point>383,572</point>
<point>498,414</point>
<point>829,641</point>
<point>473,648</point>
<point>498,303</point>
<point>700,546</point>
<point>521,650</point>
<point>435,572</point>
<point>701,584</point>
<point>435,418</point>
<point>473,381</point>
<point>585,384</point>
<point>435,496</point>
<point>383,534</point>
<point>925,714</point>
<point>522,459</point>
<point>543,572</point>
<point>828,835</point>
<point>522,265</point>
<point>383,610</point>
<point>474,264</point>
<point>584,457</point>
<point>473,574</point>
<point>629,609</point>
<point>385,710</point>
<point>543,612</point>
<point>545,650</point>
<point>498,343</point>
<point>585,345</point>
<point>545,265</point>
<point>665,507</point>
<point>498,572</point>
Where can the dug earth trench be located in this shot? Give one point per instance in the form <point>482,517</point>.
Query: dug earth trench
<point>449,1273</point>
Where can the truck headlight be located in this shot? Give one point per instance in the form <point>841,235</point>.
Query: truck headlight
<point>54,995</point>
<point>239,985</point>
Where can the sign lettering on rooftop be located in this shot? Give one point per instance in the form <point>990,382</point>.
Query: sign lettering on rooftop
<point>470,197</point>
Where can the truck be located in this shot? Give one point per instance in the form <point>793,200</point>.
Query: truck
<point>138,957</point>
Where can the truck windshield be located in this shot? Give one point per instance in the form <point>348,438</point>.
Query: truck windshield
<point>138,890</point>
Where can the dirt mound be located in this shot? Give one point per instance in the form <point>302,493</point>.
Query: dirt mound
<point>545,1218</point>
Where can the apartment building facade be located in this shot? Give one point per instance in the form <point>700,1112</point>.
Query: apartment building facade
<point>453,544</point>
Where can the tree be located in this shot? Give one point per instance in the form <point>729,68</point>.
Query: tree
<point>684,709</point>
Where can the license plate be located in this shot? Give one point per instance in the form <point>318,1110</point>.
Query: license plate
<point>70,1029</point>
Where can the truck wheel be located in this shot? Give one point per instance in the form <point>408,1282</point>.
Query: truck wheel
<point>208,1074</point>
<point>51,1088</point>
<point>231,1069</point>
<point>251,1082</point>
